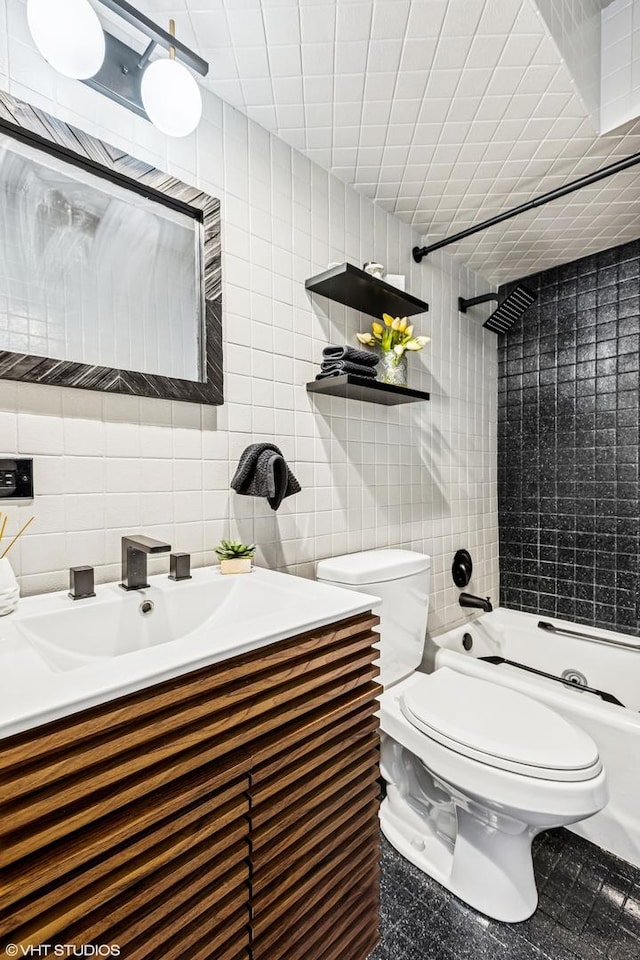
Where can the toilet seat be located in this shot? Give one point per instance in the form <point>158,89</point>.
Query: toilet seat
<point>498,727</point>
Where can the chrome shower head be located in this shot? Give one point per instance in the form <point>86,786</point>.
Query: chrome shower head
<point>510,307</point>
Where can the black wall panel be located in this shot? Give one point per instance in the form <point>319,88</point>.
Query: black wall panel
<point>569,437</point>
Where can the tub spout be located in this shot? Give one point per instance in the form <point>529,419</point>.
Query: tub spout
<point>477,603</point>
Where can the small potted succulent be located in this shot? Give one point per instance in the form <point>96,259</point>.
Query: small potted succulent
<point>235,557</point>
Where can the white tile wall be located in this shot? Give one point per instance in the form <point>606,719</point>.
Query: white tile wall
<point>620,91</point>
<point>575,27</point>
<point>420,476</point>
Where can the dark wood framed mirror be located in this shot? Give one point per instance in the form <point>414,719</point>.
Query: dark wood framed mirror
<point>110,270</point>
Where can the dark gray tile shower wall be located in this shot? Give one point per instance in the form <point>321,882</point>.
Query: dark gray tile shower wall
<point>568,442</point>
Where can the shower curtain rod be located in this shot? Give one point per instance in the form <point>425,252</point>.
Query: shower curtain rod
<point>420,252</point>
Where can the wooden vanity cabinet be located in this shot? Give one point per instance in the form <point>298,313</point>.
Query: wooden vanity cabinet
<point>227,814</point>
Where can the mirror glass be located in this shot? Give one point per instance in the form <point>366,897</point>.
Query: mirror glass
<point>110,269</point>
<point>95,273</point>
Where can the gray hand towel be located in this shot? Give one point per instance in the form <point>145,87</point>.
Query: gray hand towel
<point>341,373</point>
<point>263,472</point>
<point>343,366</point>
<point>351,354</point>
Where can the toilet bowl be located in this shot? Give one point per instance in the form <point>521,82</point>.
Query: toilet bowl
<point>473,770</point>
<point>472,776</point>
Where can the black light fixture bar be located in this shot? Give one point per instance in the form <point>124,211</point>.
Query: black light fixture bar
<point>157,35</point>
<point>609,171</point>
<point>120,75</point>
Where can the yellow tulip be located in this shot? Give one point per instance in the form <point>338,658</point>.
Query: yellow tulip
<point>409,331</point>
<point>387,319</point>
<point>403,325</point>
<point>377,328</point>
<point>417,343</point>
<point>395,325</point>
<point>398,349</point>
<point>365,338</point>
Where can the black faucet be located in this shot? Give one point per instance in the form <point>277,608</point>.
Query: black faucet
<point>477,603</point>
<point>134,560</point>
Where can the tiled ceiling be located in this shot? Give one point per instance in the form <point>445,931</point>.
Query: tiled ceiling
<point>444,112</point>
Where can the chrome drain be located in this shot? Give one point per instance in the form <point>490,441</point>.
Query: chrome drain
<point>575,677</point>
<point>145,608</point>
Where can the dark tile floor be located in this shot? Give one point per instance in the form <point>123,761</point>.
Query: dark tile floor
<point>589,909</point>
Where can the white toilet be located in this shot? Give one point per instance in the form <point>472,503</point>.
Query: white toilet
<point>473,770</point>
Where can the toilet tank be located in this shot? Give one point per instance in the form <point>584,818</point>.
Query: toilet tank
<point>401,578</point>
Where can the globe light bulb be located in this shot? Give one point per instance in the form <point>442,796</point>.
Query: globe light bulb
<point>69,36</point>
<point>171,97</point>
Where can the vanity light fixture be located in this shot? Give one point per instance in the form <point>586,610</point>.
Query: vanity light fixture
<point>70,37</point>
<point>170,95</point>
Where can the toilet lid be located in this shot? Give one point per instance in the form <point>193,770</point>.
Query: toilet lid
<point>372,566</point>
<point>498,726</point>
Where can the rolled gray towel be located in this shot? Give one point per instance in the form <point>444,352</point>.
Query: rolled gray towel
<point>263,472</point>
<point>364,374</point>
<point>351,354</point>
<point>344,366</point>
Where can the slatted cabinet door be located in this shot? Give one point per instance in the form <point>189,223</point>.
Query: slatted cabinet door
<point>185,820</point>
<point>314,839</point>
<point>314,820</point>
<point>160,869</point>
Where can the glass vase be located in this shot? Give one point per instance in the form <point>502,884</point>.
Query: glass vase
<point>392,368</point>
<point>9,589</point>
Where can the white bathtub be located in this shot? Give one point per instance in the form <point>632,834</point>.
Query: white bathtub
<point>613,669</point>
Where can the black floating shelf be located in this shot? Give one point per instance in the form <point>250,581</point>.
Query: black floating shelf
<point>354,288</point>
<point>363,388</point>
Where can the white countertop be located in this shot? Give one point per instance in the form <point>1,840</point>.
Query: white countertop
<point>266,607</point>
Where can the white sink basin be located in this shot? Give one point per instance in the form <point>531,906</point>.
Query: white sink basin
<point>58,656</point>
<point>122,622</point>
